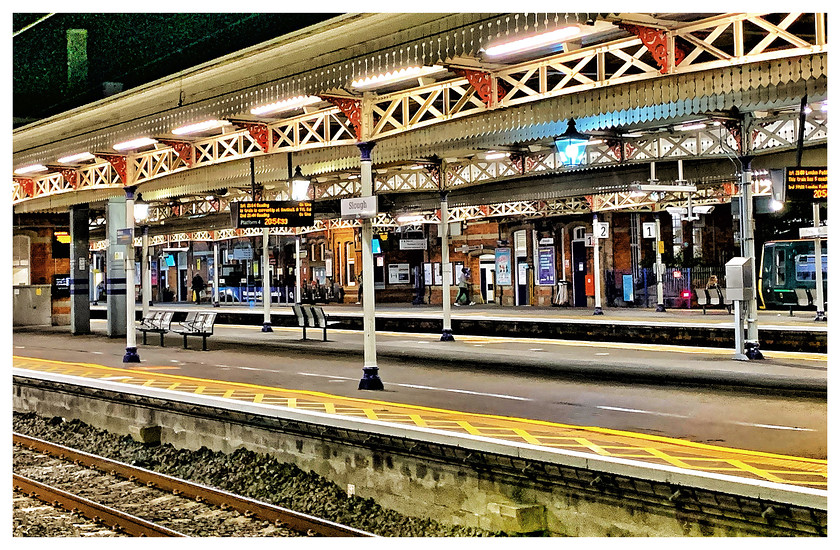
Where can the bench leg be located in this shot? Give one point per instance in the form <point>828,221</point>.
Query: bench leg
<point>325,334</point>
<point>185,341</point>
<point>304,332</point>
<point>161,339</point>
<point>144,337</point>
<point>203,342</point>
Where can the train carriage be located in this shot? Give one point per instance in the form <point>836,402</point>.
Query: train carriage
<point>787,269</point>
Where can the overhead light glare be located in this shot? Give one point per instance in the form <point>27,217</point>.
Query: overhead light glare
<point>533,42</point>
<point>31,169</point>
<point>496,155</point>
<point>199,127</point>
<point>689,127</point>
<point>396,76</point>
<point>286,105</point>
<point>410,218</point>
<point>78,157</point>
<point>134,144</point>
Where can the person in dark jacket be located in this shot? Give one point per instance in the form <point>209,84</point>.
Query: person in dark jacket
<point>197,287</point>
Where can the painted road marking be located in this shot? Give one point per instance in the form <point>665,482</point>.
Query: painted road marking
<point>420,387</point>
<point>774,427</point>
<point>621,409</point>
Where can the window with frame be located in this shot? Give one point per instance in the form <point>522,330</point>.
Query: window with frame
<point>20,260</point>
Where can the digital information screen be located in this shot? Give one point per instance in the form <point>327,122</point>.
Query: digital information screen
<point>271,214</point>
<point>807,183</point>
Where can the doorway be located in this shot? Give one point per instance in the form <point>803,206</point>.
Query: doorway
<point>579,266</point>
<point>487,271</point>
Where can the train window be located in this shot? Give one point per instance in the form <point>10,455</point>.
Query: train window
<point>780,267</point>
<point>805,267</point>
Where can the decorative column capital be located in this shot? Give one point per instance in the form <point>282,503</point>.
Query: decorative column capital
<point>365,147</point>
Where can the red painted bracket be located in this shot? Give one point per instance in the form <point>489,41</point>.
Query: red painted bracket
<point>258,131</point>
<point>70,175</point>
<point>352,109</point>
<point>482,83</point>
<point>655,40</point>
<point>28,186</point>
<point>120,164</point>
<point>183,149</point>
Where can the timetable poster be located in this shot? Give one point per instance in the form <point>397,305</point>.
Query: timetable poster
<point>503,273</point>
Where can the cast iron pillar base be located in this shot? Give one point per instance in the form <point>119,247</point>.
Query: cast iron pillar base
<point>598,311</point>
<point>131,356</point>
<point>266,328</point>
<point>370,379</point>
<point>660,308</point>
<point>447,336</point>
<point>751,350</point>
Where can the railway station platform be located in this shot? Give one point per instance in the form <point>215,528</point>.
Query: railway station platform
<point>778,330</point>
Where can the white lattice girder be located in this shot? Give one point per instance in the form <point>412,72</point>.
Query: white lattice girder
<point>717,42</point>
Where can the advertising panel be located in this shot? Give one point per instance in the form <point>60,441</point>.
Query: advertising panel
<point>503,267</point>
<point>545,266</point>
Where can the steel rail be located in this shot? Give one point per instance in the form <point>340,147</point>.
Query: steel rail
<point>90,509</point>
<point>268,512</point>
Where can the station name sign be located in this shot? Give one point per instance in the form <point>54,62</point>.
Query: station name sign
<point>271,214</point>
<point>807,183</point>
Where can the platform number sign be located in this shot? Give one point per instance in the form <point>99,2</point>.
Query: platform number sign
<point>601,230</point>
<point>649,230</point>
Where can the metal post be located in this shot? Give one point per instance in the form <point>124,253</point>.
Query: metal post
<point>216,274</point>
<point>738,306</point>
<point>131,355</point>
<point>445,267</point>
<point>146,273</point>
<point>748,251</point>
<point>597,266</point>
<point>370,379</point>
<point>266,284</point>
<point>660,286</point>
<point>818,268</point>
<point>297,269</point>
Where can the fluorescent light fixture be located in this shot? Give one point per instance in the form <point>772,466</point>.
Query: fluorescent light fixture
<point>286,105</point>
<point>396,76</point>
<point>199,127</point>
<point>648,187</point>
<point>134,144</point>
<point>30,169</point>
<point>533,42</point>
<point>78,157</point>
<point>496,155</point>
<point>410,218</point>
<point>695,126</point>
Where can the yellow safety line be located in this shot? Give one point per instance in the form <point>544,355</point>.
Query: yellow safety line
<point>540,423</point>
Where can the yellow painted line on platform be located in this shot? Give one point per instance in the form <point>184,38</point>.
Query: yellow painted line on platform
<point>601,441</point>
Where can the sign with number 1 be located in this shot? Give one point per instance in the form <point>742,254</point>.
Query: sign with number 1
<point>649,230</point>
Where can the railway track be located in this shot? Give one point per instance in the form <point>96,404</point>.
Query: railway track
<point>141,502</point>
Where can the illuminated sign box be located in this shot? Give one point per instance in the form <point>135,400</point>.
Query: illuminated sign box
<point>808,183</point>
<point>271,214</point>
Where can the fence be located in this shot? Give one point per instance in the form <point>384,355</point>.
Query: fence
<point>679,285</point>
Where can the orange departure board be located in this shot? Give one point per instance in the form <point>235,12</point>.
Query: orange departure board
<point>271,214</point>
<point>807,183</point>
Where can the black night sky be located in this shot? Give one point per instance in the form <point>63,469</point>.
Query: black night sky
<point>131,48</point>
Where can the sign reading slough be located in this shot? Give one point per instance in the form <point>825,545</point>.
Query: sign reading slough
<point>271,214</point>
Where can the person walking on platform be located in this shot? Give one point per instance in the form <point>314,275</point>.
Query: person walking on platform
<point>197,287</point>
<point>464,288</point>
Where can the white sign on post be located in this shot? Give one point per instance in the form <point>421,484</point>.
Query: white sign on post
<point>601,230</point>
<point>359,208</point>
<point>649,230</point>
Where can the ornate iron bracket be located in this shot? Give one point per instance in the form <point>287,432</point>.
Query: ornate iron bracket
<point>183,149</point>
<point>352,109</point>
<point>120,164</point>
<point>70,175</point>
<point>482,82</point>
<point>27,185</point>
<point>656,41</point>
<point>258,131</point>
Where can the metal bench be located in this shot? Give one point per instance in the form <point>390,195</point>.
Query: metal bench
<point>201,324</point>
<point>160,323</point>
<point>301,318</point>
<point>320,319</point>
<point>710,297</point>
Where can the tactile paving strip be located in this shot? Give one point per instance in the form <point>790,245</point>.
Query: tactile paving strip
<point>791,470</point>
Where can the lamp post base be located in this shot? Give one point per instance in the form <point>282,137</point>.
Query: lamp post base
<point>266,328</point>
<point>370,379</point>
<point>820,316</point>
<point>752,351</point>
<point>598,311</point>
<point>131,356</point>
<point>447,336</point>
<point>660,308</point>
